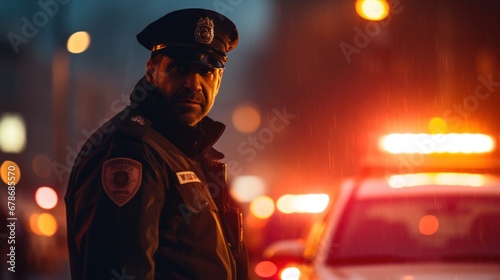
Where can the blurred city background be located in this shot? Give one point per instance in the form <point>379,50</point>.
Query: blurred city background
<point>308,84</point>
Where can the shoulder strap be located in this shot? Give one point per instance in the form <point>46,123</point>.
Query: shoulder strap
<point>170,153</point>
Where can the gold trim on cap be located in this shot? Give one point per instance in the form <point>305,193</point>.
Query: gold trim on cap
<point>158,47</point>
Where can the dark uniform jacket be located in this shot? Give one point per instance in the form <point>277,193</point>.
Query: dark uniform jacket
<point>131,216</point>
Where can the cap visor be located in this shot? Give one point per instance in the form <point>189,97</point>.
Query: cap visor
<point>192,56</point>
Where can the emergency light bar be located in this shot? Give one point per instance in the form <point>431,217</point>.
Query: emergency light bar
<point>408,143</point>
<point>302,203</point>
<point>441,178</point>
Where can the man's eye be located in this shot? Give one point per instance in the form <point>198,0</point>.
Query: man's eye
<point>207,71</point>
<point>179,69</point>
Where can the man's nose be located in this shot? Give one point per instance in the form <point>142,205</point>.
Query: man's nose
<point>193,82</point>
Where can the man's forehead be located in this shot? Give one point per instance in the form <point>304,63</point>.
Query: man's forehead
<point>166,61</point>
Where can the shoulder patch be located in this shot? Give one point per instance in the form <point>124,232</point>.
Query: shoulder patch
<point>185,177</point>
<point>121,179</point>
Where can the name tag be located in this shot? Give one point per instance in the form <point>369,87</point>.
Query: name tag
<point>185,177</point>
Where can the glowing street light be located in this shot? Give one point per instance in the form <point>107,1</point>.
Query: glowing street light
<point>46,197</point>
<point>12,133</point>
<point>78,42</point>
<point>373,10</point>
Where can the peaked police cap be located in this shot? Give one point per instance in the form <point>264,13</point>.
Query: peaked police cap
<point>193,35</point>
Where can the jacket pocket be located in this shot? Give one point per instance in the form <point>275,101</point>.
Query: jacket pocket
<point>196,197</point>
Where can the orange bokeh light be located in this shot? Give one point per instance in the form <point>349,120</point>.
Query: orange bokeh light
<point>428,225</point>
<point>262,207</point>
<point>265,269</point>
<point>246,118</point>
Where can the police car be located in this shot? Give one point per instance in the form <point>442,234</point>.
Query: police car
<point>430,210</point>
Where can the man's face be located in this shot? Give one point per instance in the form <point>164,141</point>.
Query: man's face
<point>190,88</point>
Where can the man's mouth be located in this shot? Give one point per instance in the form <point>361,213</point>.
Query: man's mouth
<point>188,102</point>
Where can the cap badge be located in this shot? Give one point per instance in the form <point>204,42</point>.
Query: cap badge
<point>204,32</point>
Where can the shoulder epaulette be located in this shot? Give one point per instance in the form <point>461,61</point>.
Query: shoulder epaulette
<point>134,127</point>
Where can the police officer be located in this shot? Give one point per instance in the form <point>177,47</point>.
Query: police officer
<point>146,198</point>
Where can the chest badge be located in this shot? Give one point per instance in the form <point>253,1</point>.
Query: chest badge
<point>121,179</point>
<point>185,177</point>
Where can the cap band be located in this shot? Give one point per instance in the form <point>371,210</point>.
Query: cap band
<point>192,55</point>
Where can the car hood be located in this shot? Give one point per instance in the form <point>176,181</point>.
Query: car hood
<point>412,272</point>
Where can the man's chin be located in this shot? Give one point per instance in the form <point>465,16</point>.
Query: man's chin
<point>189,115</point>
<point>189,119</point>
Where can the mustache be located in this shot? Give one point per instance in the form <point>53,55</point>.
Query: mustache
<point>189,96</point>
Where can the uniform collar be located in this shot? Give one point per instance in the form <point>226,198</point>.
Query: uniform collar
<point>190,140</point>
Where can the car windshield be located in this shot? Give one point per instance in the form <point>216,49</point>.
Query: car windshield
<point>442,228</point>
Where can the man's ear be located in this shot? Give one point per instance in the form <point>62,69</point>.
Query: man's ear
<point>219,78</point>
<point>150,69</point>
